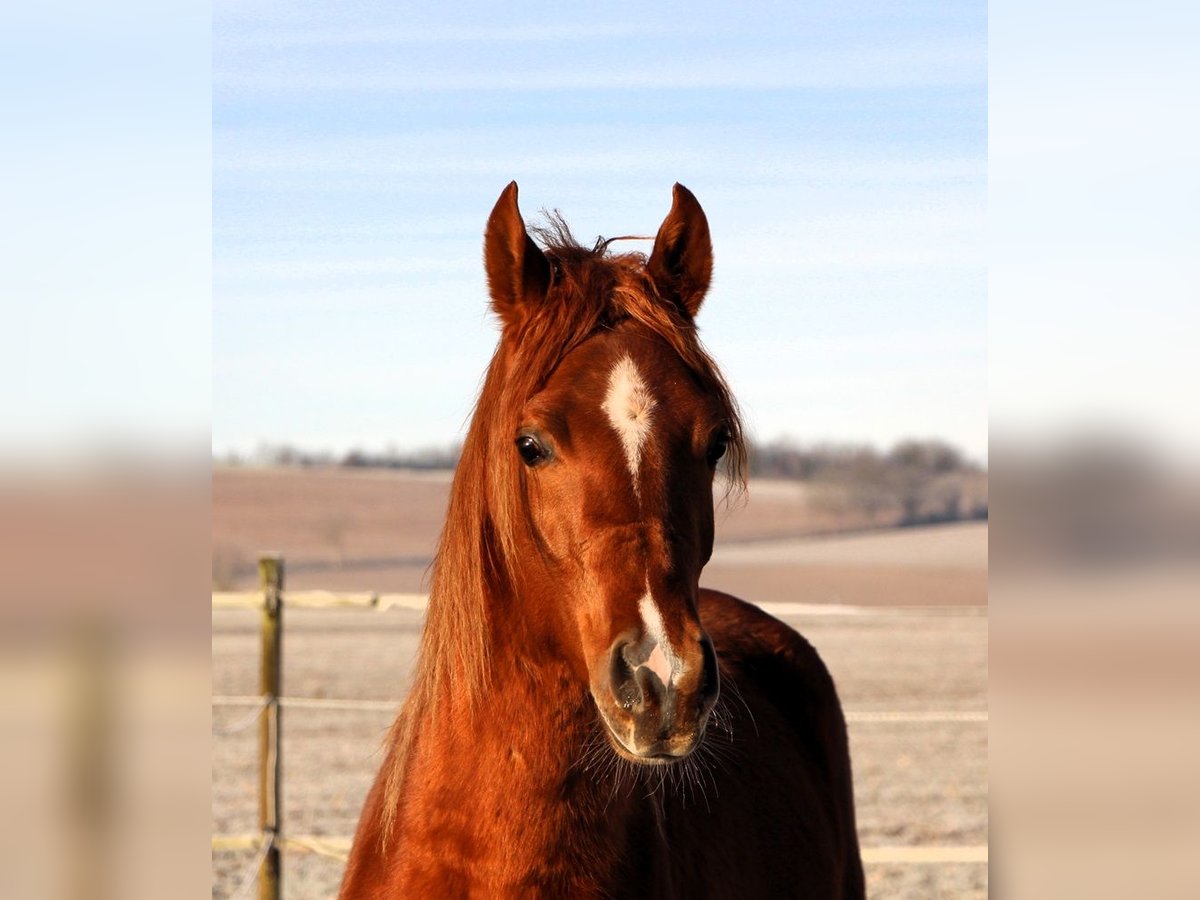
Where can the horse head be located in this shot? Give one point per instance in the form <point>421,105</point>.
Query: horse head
<point>608,427</point>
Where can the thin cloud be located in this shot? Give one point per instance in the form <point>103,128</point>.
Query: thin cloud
<point>860,68</point>
<point>307,270</point>
<point>425,35</point>
<point>457,152</point>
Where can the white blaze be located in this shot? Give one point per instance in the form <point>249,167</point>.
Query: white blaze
<point>662,661</point>
<point>629,405</point>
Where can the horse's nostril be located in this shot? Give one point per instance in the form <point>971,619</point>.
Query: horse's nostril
<point>623,681</point>
<point>653,691</point>
<point>636,687</point>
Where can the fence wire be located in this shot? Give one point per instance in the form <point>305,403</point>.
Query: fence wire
<point>246,721</point>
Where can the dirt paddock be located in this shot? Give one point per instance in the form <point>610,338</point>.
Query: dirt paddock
<point>899,616</point>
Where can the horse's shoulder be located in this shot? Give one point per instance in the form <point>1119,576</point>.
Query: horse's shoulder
<point>741,629</point>
<point>753,645</point>
<point>780,681</point>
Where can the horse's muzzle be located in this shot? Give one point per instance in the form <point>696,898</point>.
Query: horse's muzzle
<point>656,711</point>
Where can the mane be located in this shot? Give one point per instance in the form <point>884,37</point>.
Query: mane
<point>592,290</point>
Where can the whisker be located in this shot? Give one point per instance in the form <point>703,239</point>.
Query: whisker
<point>737,693</point>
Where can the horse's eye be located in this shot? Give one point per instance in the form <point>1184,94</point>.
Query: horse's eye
<point>531,451</point>
<point>717,446</point>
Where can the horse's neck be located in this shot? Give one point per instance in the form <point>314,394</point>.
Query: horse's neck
<point>520,786</point>
<point>527,732</point>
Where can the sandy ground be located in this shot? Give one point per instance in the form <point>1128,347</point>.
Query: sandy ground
<point>944,565</point>
<point>921,647</point>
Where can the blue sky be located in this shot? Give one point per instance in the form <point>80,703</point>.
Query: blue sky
<point>840,151</point>
<point>105,227</point>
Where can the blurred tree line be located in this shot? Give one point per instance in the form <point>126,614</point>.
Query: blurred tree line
<point>287,456</point>
<point>916,481</point>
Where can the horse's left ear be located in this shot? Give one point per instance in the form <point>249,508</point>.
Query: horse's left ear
<point>681,262</point>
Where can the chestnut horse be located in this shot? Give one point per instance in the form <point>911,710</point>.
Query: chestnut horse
<point>585,720</point>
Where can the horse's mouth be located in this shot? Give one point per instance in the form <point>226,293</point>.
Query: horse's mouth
<point>663,752</point>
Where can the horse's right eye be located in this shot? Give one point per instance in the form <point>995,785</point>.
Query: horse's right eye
<point>532,452</point>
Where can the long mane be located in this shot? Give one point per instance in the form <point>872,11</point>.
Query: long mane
<point>592,290</point>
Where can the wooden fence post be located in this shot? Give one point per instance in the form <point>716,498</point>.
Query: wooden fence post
<point>270,744</point>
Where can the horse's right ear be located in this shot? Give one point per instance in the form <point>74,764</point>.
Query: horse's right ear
<point>518,273</point>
